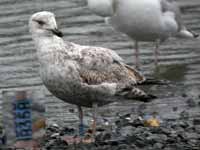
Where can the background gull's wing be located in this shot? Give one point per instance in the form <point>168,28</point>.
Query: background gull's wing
<point>172,6</point>
<point>101,7</point>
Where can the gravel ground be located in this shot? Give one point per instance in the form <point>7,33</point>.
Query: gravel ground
<point>132,134</point>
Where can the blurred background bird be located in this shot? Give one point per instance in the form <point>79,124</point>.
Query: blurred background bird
<point>143,20</point>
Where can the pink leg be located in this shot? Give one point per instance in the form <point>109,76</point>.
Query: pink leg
<point>81,127</point>
<point>95,107</point>
<point>156,53</point>
<point>137,61</point>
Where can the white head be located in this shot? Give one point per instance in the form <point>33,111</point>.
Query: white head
<point>43,24</point>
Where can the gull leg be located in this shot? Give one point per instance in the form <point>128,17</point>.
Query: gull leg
<point>81,126</point>
<point>156,52</point>
<point>95,107</point>
<point>137,61</point>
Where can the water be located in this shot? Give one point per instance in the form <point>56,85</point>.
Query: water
<point>179,59</point>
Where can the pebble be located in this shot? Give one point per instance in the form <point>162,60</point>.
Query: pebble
<point>196,121</point>
<point>133,135</point>
<point>191,103</point>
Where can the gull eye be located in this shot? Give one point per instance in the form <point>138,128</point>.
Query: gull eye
<point>40,22</point>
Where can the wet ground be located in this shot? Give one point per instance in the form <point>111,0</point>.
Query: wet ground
<point>129,134</point>
<point>179,60</point>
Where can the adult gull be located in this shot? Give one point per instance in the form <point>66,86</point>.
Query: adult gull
<point>144,20</point>
<point>82,75</point>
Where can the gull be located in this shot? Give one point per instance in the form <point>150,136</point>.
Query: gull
<point>82,75</point>
<point>102,8</point>
<point>143,20</point>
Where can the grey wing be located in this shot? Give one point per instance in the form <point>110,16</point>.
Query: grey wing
<point>172,5</point>
<point>102,7</point>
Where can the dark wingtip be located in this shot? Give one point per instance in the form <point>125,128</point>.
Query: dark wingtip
<point>152,81</point>
<point>148,98</point>
<point>152,96</point>
<point>195,35</point>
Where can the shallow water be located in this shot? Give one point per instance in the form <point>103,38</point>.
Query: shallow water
<point>178,61</point>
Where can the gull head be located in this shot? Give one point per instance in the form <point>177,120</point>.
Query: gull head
<point>44,24</point>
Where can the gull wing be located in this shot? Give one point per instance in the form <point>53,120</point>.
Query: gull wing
<point>172,6</point>
<point>99,65</point>
<point>104,71</point>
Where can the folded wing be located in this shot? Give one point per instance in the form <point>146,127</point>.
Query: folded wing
<point>102,70</point>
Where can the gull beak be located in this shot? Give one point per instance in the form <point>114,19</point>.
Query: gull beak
<point>57,32</point>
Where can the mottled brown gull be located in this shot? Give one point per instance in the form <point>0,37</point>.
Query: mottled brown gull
<point>144,20</point>
<point>82,75</point>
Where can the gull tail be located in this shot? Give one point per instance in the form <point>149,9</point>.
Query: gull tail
<point>135,94</point>
<point>185,33</point>
<point>152,81</point>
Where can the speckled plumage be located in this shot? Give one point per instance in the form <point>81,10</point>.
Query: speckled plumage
<point>81,75</point>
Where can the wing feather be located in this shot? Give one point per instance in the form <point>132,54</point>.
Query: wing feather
<point>99,65</point>
<point>172,6</point>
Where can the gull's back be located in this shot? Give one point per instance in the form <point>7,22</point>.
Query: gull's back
<point>101,7</point>
<point>138,18</point>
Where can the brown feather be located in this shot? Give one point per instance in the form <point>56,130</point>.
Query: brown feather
<point>116,72</point>
<point>138,76</point>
